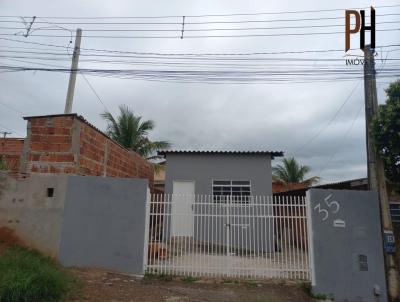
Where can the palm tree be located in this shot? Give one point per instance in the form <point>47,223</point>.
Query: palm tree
<point>291,172</point>
<point>132,132</point>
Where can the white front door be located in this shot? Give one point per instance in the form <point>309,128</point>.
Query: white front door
<point>182,208</point>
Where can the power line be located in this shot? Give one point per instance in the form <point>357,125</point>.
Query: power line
<point>322,129</point>
<point>209,15</point>
<point>94,91</point>
<point>193,54</point>
<point>199,36</point>
<point>11,108</point>
<point>193,23</point>
<point>350,128</point>
<point>297,81</point>
<point>60,57</point>
<point>194,30</point>
<point>342,141</point>
<point>170,56</point>
<point>242,64</point>
<point>231,76</point>
<point>9,129</point>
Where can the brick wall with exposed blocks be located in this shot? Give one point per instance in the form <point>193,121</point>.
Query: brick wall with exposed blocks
<point>69,144</point>
<point>10,152</point>
<point>48,147</point>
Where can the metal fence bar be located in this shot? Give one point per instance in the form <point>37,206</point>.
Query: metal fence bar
<point>228,236</point>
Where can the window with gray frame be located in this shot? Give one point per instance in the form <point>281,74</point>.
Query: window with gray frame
<point>231,190</point>
<point>395,212</point>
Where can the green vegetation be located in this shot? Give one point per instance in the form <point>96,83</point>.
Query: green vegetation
<point>3,165</point>
<point>306,287</point>
<point>27,276</point>
<point>308,290</point>
<point>292,172</point>
<point>318,296</point>
<point>189,279</point>
<point>385,130</point>
<point>160,277</point>
<point>132,132</point>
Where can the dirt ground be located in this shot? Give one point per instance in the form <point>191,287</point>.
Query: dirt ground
<point>99,285</point>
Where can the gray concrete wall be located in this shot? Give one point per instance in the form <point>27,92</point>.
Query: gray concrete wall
<point>204,168</point>
<point>104,221</point>
<point>26,209</point>
<point>339,237</point>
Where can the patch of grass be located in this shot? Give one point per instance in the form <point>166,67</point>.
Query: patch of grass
<point>26,275</point>
<point>306,287</point>
<point>318,296</point>
<point>160,277</point>
<point>189,279</point>
<point>251,284</point>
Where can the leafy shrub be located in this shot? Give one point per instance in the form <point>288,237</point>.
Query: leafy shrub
<point>26,275</point>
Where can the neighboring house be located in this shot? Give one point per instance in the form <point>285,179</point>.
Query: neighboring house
<point>278,186</point>
<point>360,184</point>
<point>10,152</point>
<point>159,177</point>
<point>219,173</point>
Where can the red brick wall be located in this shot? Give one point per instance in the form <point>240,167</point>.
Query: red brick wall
<point>50,145</point>
<point>69,144</point>
<point>278,187</point>
<point>10,152</point>
<point>92,151</point>
<point>100,155</point>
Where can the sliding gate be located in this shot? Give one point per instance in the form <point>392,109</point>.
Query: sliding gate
<point>235,237</point>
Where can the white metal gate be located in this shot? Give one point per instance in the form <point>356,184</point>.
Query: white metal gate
<point>251,237</point>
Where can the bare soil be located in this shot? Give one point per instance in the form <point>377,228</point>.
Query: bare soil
<point>8,238</point>
<point>100,285</point>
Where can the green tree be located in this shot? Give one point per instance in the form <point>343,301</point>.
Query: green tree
<point>291,172</point>
<point>131,131</point>
<point>386,133</point>
<point>3,165</point>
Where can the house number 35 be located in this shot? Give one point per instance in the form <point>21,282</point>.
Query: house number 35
<point>333,206</point>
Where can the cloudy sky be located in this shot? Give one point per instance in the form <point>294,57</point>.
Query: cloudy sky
<point>306,120</point>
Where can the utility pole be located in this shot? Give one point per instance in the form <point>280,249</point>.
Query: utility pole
<point>376,173</point>
<point>5,133</point>
<point>74,70</point>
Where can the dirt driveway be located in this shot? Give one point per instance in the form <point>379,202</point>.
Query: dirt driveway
<point>105,286</point>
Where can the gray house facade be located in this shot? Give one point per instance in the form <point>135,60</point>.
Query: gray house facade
<point>208,170</point>
<point>213,197</point>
